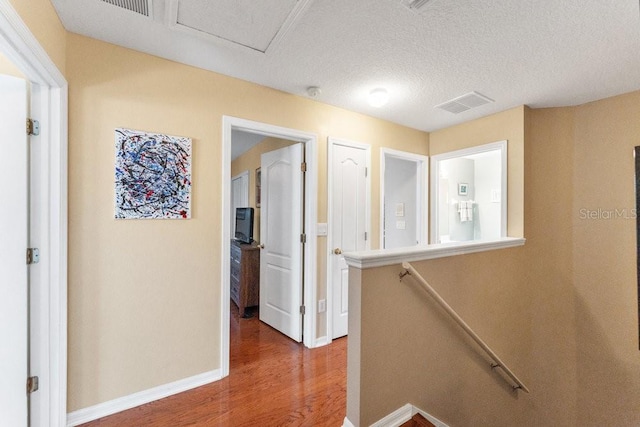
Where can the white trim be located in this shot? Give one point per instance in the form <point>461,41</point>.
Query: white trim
<point>347,423</point>
<point>22,48</point>
<point>396,418</point>
<point>435,174</point>
<point>402,415</point>
<point>435,421</point>
<point>321,341</point>
<point>382,257</point>
<point>331,142</point>
<point>310,291</point>
<point>422,196</point>
<point>140,398</point>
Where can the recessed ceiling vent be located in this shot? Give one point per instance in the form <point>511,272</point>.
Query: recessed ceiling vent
<point>415,5</point>
<point>464,102</point>
<point>143,7</point>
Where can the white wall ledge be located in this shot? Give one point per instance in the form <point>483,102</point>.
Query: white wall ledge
<point>382,257</point>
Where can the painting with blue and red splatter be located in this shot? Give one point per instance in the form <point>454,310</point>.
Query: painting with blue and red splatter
<point>153,175</point>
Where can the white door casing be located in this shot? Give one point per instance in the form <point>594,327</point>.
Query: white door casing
<point>13,245</point>
<point>48,228</point>
<point>310,141</point>
<point>349,222</point>
<point>420,215</point>
<point>280,240</point>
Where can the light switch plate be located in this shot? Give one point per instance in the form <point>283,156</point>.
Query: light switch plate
<point>321,229</point>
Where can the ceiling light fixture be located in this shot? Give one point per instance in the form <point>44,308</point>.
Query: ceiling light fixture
<point>378,97</point>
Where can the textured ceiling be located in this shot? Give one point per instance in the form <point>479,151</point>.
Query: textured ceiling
<point>540,53</point>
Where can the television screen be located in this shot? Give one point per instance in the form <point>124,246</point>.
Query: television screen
<point>244,225</point>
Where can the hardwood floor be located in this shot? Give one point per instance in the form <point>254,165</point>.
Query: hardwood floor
<point>273,381</point>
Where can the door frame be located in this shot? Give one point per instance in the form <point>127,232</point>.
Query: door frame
<point>331,142</point>
<point>422,195</point>
<point>49,100</point>
<point>310,141</point>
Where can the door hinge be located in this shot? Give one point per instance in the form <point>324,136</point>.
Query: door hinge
<point>33,127</point>
<point>366,236</point>
<point>303,238</point>
<point>302,310</point>
<point>32,384</point>
<point>366,172</point>
<point>303,166</point>
<point>33,256</point>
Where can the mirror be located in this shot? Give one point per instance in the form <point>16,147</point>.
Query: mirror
<point>469,194</point>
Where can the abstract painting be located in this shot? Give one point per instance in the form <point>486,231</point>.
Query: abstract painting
<point>153,175</point>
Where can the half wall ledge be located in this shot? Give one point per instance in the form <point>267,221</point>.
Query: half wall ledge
<point>382,257</point>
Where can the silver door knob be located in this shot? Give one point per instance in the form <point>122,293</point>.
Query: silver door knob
<point>337,251</point>
<point>261,246</point>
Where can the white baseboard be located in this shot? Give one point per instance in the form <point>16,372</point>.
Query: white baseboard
<point>402,415</point>
<point>321,341</point>
<point>436,422</point>
<point>347,423</point>
<point>396,418</point>
<point>120,404</point>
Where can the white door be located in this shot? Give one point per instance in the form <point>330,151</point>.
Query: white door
<point>280,230</point>
<point>239,196</point>
<point>13,245</point>
<point>348,186</point>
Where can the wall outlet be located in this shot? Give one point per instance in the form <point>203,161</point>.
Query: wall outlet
<point>322,306</point>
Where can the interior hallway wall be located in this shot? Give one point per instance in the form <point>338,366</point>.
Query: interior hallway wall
<point>43,22</point>
<point>562,311</point>
<point>144,296</point>
<point>604,261</point>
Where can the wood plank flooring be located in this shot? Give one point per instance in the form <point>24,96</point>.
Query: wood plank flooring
<point>273,381</point>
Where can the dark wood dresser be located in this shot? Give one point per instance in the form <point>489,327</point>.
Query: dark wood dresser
<point>245,275</point>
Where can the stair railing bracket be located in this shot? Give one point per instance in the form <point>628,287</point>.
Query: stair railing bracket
<point>404,273</point>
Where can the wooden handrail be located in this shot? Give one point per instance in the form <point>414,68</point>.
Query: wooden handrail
<point>496,361</point>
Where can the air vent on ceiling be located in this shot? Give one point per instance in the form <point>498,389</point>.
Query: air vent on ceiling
<point>464,102</point>
<point>415,5</point>
<point>143,7</point>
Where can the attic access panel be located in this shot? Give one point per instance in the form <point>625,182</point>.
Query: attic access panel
<point>245,23</point>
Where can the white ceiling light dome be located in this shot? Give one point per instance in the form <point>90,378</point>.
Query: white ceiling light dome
<point>378,97</point>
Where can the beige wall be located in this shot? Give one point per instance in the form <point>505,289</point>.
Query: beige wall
<point>42,20</point>
<point>251,161</point>
<point>562,311</point>
<point>549,190</point>
<point>8,68</point>
<point>604,262</point>
<point>144,295</point>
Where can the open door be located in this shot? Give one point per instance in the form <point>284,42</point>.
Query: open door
<point>280,239</point>
<point>13,246</point>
